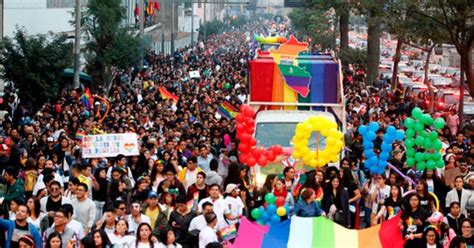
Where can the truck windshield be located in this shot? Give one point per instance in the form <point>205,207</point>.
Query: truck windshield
<point>281,133</point>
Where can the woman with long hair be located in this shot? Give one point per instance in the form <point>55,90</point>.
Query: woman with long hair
<point>168,239</point>
<point>144,237</point>
<point>27,241</point>
<point>336,202</point>
<point>35,215</point>
<point>280,191</point>
<point>120,237</point>
<point>157,175</point>
<point>99,190</point>
<point>414,217</point>
<point>431,238</point>
<point>167,203</point>
<point>54,240</point>
<point>100,239</point>
<point>393,205</point>
<point>435,184</point>
<point>426,200</point>
<point>354,193</point>
<point>466,231</point>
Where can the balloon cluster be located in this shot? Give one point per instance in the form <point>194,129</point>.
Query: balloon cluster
<point>423,145</point>
<point>328,129</point>
<point>269,40</point>
<point>272,211</point>
<point>249,153</point>
<point>378,164</point>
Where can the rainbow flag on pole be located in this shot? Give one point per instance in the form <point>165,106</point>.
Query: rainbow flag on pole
<point>318,232</point>
<point>165,94</point>
<point>227,110</point>
<point>87,98</point>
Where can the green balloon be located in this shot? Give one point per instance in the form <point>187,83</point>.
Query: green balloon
<point>227,86</point>
<point>439,163</point>
<point>428,144</point>
<point>270,198</point>
<point>409,123</point>
<point>437,145</point>
<point>410,142</point>
<point>417,113</point>
<point>420,165</point>
<point>419,126</point>
<point>439,123</point>
<point>428,120</point>
<point>410,133</point>
<point>410,152</point>
<point>411,162</point>
<point>424,134</point>
<point>436,156</point>
<point>419,156</point>
<point>256,213</point>
<point>430,164</point>
<point>433,135</point>
<point>419,141</point>
<point>428,156</point>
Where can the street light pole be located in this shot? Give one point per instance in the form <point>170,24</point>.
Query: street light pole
<point>142,30</point>
<point>192,24</point>
<point>173,14</point>
<point>77,44</point>
<point>204,23</point>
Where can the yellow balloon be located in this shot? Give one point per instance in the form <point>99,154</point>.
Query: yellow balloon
<point>281,211</point>
<point>313,163</point>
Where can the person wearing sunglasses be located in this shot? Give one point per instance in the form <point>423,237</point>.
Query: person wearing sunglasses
<point>53,202</point>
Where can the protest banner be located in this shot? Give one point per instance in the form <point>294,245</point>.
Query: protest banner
<point>110,145</point>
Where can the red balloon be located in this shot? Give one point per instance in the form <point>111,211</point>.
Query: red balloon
<point>251,161</point>
<point>277,150</point>
<point>250,124</point>
<point>243,107</point>
<point>245,137</point>
<point>257,152</point>
<point>280,201</point>
<point>262,160</point>
<point>252,142</point>
<point>251,130</point>
<point>243,157</point>
<point>249,112</point>
<point>240,118</point>
<point>240,127</point>
<point>244,147</point>
<point>270,155</point>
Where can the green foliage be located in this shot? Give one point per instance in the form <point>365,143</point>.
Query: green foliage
<point>212,27</point>
<point>313,23</point>
<point>34,65</point>
<point>353,56</point>
<point>109,44</point>
<point>238,21</point>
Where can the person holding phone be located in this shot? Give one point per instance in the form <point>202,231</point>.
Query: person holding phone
<point>414,218</point>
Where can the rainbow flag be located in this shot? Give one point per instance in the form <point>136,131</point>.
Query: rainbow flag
<point>318,232</point>
<point>228,232</point>
<point>79,136</point>
<point>165,94</point>
<point>87,98</point>
<point>227,110</point>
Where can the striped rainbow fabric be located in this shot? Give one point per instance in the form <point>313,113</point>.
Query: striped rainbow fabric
<point>318,232</point>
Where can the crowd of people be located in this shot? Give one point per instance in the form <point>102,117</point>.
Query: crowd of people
<point>187,184</point>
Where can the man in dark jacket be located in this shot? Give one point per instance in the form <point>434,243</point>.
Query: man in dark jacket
<point>14,185</point>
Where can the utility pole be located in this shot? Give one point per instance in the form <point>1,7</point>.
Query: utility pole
<point>204,23</point>
<point>173,25</point>
<point>192,24</point>
<point>1,21</point>
<point>142,30</point>
<point>77,44</point>
<point>163,30</point>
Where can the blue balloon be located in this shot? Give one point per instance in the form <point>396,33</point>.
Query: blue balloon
<point>373,161</point>
<point>391,130</point>
<point>399,135</point>
<point>382,164</point>
<point>271,209</point>
<point>373,169</point>
<point>287,209</point>
<point>388,138</point>
<point>264,217</point>
<point>268,223</point>
<point>371,135</point>
<point>368,144</point>
<point>386,147</point>
<point>275,219</point>
<point>374,126</point>
<point>383,156</point>
<point>380,170</point>
<point>362,129</point>
<point>369,154</point>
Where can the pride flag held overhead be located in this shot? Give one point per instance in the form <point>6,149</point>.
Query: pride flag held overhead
<point>165,94</point>
<point>317,232</point>
<point>227,110</point>
<point>87,98</point>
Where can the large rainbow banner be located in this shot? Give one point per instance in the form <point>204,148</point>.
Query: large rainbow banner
<point>289,75</point>
<point>318,232</point>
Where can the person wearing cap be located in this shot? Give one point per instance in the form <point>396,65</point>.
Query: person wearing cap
<point>235,206</point>
<point>153,211</point>
<point>187,176</point>
<point>446,234</point>
<point>136,217</point>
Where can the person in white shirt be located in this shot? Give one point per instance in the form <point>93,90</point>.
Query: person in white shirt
<point>220,207</point>
<point>135,218</point>
<point>168,239</point>
<point>144,238</point>
<point>120,239</point>
<point>204,159</point>
<point>48,167</point>
<point>199,222</point>
<point>208,234</point>
<point>235,206</point>
<point>73,224</point>
<point>85,208</point>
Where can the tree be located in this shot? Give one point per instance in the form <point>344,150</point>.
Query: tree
<point>109,45</point>
<point>34,65</point>
<point>313,23</point>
